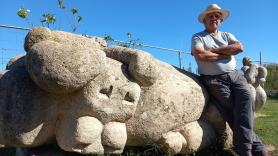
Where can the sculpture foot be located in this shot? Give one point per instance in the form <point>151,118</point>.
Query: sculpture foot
<point>172,143</point>
<point>114,137</point>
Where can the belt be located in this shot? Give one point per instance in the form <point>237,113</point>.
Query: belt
<point>219,75</point>
<point>224,76</point>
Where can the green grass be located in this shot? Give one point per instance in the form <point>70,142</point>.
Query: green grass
<point>266,126</point>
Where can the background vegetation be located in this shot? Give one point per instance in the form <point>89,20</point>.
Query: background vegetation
<point>271,85</point>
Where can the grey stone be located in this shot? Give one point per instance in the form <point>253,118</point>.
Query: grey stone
<point>62,62</point>
<point>63,69</point>
<point>39,34</point>
<point>16,62</point>
<point>256,77</point>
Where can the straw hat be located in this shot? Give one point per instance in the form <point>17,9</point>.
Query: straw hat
<point>213,8</point>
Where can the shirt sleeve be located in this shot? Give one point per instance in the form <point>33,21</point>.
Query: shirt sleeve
<point>231,38</point>
<point>196,42</point>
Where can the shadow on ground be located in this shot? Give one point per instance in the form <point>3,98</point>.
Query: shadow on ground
<point>148,150</point>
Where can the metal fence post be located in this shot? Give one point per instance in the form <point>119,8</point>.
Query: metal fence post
<point>180,61</point>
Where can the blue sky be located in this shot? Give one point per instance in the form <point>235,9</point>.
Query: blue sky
<point>165,23</point>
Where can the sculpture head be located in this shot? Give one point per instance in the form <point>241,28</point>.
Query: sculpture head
<point>246,61</point>
<point>66,64</point>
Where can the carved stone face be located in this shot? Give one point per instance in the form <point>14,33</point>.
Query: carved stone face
<point>112,95</point>
<point>99,110</point>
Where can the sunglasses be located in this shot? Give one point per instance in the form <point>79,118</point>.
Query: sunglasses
<point>217,16</point>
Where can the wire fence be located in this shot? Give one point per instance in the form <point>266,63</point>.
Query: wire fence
<point>180,53</point>
<point>11,43</point>
<point>17,40</point>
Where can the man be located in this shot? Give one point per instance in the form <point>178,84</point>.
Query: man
<point>214,53</point>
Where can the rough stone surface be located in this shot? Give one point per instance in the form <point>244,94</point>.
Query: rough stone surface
<point>141,65</point>
<point>222,130</point>
<point>39,34</point>
<point>57,73</point>
<point>32,117</point>
<point>173,143</point>
<point>27,112</point>
<point>169,101</point>
<point>82,135</point>
<point>66,90</point>
<point>15,62</point>
<point>114,135</point>
<point>112,95</point>
<point>198,135</point>
<point>61,63</point>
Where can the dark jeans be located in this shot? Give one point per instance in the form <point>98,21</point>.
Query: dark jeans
<point>232,96</point>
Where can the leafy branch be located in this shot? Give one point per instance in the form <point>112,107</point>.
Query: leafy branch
<point>49,19</point>
<point>77,19</point>
<point>60,4</point>
<point>130,43</point>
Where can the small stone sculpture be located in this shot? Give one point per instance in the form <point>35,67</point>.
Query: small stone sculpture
<point>256,77</point>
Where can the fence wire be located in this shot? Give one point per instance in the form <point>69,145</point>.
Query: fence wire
<point>180,53</point>
<point>9,52</point>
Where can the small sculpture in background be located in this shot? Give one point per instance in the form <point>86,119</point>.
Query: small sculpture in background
<point>256,77</point>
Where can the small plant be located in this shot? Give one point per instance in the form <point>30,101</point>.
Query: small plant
<point>47,19</point>
<point>23,13</point>
<point>109,40</point>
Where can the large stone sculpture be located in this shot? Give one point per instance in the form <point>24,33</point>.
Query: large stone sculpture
<point>94,99</point>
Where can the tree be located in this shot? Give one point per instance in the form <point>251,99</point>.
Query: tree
<point>271,85</point>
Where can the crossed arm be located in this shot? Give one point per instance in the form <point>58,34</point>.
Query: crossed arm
<point>215,54</point>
